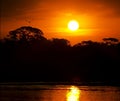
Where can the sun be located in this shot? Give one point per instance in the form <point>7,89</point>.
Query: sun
<point>73,25</point>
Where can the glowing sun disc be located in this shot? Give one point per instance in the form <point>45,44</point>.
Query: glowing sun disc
<point>73,25</point>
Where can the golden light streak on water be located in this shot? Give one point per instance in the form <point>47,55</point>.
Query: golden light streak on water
<point>73,94</point>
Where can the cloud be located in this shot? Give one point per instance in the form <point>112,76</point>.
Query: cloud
<point>112,4</point>
<point>11,8</point>
<point>14,7</point>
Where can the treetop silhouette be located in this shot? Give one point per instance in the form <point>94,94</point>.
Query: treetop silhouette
<point>26,33</point>
<point>28,55</point>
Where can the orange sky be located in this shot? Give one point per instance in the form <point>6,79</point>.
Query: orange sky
<point>97,18</point>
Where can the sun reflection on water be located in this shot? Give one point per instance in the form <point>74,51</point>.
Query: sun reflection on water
<point>73,94</point>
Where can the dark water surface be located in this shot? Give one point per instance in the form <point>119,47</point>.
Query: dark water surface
<point>58,93</point>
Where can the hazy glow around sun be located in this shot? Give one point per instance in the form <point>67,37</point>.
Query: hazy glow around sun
<point>73,25</point>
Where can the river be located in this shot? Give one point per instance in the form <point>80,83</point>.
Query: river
<point>58,93</point>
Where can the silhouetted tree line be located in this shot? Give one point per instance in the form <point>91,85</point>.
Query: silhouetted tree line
<point>26,55</point>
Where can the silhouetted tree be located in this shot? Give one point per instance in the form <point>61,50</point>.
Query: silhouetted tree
<point>56,59</point>
<point>89,42</point>
<point>60,44</point>
<point>26,33</point>
<point>110,41</point>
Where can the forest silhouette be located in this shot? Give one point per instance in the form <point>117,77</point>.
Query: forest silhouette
<point>27,56</point>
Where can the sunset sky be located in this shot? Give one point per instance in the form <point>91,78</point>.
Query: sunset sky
<point>97,18</point>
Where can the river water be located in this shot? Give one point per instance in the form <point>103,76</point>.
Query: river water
<point>58,93</point>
